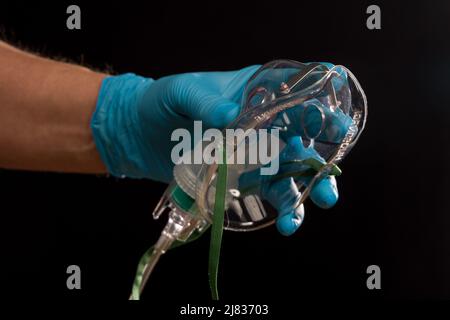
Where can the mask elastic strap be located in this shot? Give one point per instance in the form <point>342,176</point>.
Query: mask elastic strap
<point>217,226</point>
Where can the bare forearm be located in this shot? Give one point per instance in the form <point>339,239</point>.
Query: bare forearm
<point>45,112</point>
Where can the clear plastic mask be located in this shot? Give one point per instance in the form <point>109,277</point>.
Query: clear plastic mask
<point>312,115</point>
<point>322,108</point>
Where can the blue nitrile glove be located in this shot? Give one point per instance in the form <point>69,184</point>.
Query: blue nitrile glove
<point>283,194</point>
<point>135,116</point>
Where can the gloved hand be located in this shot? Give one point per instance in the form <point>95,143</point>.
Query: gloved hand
<point>135,117</point>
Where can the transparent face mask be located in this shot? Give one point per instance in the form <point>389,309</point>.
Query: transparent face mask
<point>297,122</point>
<point>322,108</point>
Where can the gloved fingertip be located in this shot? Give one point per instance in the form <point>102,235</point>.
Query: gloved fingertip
<point>325,193</point>
<point>288,223</point>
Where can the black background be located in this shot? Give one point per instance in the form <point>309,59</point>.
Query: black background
<point>393,209</point>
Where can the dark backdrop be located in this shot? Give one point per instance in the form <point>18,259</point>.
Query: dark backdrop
<point>393,209</point>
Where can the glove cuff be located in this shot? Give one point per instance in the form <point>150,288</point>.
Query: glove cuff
<point>115,125</point>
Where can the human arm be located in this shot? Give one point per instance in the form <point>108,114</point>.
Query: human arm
<point>45,112</point>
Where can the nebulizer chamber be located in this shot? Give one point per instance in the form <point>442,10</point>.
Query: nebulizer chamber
<point>285,102</point>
